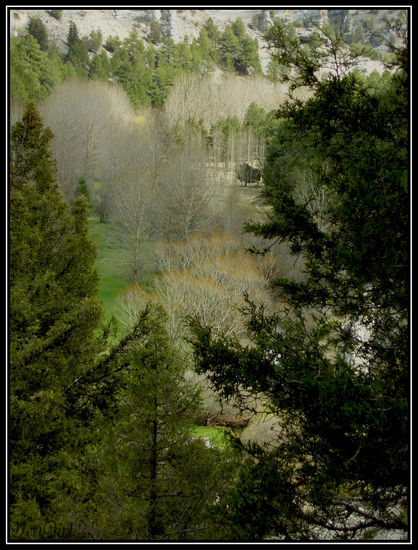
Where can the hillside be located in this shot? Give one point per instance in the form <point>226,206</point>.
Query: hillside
<point>186,24</point>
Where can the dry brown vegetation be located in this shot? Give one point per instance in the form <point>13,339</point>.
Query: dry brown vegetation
<point>204,276</point>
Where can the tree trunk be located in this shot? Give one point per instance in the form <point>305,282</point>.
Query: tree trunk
<point>152,522</point>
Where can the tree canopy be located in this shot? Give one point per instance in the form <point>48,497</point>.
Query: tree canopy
<point>53,318</point>
<point>334,359</point>
<point>146,74</point>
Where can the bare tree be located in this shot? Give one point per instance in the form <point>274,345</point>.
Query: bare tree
<point>218,96</point>
<point>81,113</point>
<point>133,164</point>
<point>207,277</point>
<point>130,207</point>
<point>182,199</point>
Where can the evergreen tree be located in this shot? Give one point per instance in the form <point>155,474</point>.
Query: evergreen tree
<point>229,48</point>
<point>53,317</point>
<point>72,36</point>
<point>155,33</point>
<point>99,67</point>
<point>55,13</point>
<point>238,51</point>
<point>115,63</point>
<point>94,40</point>
<point>238,28</point>
<point>256,119</point>
<point>162,80</point>
<point>155,481</point>
<point>78,56</point>
<point>133,48</point>
<point>212,31</point>
<point>333,360</point>
<point>82,189</point>
<point>37,29</point>
<point>77,53</point>
<point>209,52</point>
<point>183,56</point>
<point>113,44</point>
<point>167,52</point>
<point>136,80</point>
<point>250,59</point>
<point>33,73</point>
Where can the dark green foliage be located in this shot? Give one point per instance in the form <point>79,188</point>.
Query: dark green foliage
<point>155,32</point>
<point>238,52</point>
<point>37,29</point>
<point>262,503</point>
<point>82,189</point>
<point>78,56</point>
<point>162,80</point>
<point>333,361</point>
<point>154,481</point>
<point>30,156</point>
<point>113,44</point>
<point>146,74</point>
<point>94,40</point>
<point>100,439</point>
<point>72,36</point>
<point>248,174</point>
<point>100,67</point>
<point>212,30</point>
<point>306,60</point>
<point>53,317</point>
<point>256,118</point>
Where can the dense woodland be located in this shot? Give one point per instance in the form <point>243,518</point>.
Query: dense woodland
<point>208,287</point>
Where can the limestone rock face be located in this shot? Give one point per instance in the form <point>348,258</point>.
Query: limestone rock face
<point>264,21</point>
<point>177,24</point>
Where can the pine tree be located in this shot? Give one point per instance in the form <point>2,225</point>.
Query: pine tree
<point>77,53</point>
<point>72,37</point>
<point>155,481</point>
<point>33,73</point>
<point>53,317</point>
<point>37,29</point>
<point>155,32</point>
<point>333,359</point>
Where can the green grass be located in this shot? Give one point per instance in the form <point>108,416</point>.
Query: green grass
<point>216,435</point>
<point>111,265</point>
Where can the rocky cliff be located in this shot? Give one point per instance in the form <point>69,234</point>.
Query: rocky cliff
<point>182,24</point>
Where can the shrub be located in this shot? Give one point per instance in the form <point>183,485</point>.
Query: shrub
<point>55,13</point>
<point>94,40</point>
<point>248,174</point>
<point>82,189</point>
<point>113,44</point>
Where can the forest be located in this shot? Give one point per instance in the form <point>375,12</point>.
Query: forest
<point>208,287</point>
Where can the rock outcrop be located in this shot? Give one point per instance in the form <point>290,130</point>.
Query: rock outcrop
<point>177,23</point>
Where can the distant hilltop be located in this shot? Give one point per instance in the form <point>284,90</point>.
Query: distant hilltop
<point>175,23</point>
<point>180,24</point>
